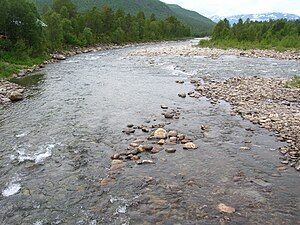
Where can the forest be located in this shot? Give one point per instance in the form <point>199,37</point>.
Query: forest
<point>275,34</point>
<point>27,37</point>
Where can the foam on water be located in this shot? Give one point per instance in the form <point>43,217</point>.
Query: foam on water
<point>38,157</point>
<point>12,188</point>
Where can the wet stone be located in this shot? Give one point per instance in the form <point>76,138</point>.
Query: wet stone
<point>170,150</point>
<point>225,209</point>
<point>145,161</point>
<point>172,133</point>
<point>161,142</point>
<point>160,133</point>
<point>190,145</point>
<point>244,148</point>
<point>168,115</point>
<point>128,131</point>
<point>145,129</point>
<point>182,95</point>
<point>173,139</point>
<point>156,150</point>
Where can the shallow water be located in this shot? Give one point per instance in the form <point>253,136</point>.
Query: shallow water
<point>56,146</point>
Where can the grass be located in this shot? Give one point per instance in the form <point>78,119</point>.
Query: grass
<point>280,46</point>
<point>10,64</point>
<point>294,82</point>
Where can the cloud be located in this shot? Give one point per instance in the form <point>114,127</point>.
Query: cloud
<point>234,7</point>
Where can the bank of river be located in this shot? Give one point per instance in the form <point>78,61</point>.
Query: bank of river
<point>56,145</point>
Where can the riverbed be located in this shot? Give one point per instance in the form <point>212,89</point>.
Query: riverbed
<point>56,145</point>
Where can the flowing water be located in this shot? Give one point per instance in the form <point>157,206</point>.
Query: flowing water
<point>56,146</point>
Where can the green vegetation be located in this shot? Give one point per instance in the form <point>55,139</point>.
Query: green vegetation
<point>27,37</point>
<point>279,35</point>
<point>294,82</point>
<point>199,24</point>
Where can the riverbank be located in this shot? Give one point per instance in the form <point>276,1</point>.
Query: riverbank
<point>263,101</point>
<point>189,50</point>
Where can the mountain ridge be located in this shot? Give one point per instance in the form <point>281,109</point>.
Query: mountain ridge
<point>256,17</point>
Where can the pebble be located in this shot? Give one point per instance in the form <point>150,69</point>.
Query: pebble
<point>168,115</point>
<point>182,95</point>
<point>161,142</point>
<point>173,139</point>
<point>225,209</point>
<point>264,101</point>
<point>128,131</point>
<point>145,161</point>
<point>172,133</point>
<point>160,133</point>
<point>244,148</point>
<point>190,145</point>
<point>170,150</point>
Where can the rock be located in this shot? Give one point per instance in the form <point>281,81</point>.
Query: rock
<point>168,115</point>
<point>172,133</point>
<point>135,158</point>
<point>160,133</point>
<point>297,165</point>
<point>115,156</point>
<point>179,81</point>
<point>244,148</point>
<point>161,142</point>
<point>170,150</point>
<point>147,147</point>
<point>134,145</point>
<point>190,145</point>
<point>173,139</point>
<point>181,136</point>
<point>128,131</point>
<point>204,127</point>
<point>15,96</point>
<point>130,125</point>
<point>145,161</point>
<point>145,129</point>
<point>164,107</point>
<point>182,95</point>
<point>58,57</point>
<point>225,209</point>
<point>156,150</point>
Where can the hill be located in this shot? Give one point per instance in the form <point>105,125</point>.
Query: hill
<point>257,17</point>
<point>198,23</point>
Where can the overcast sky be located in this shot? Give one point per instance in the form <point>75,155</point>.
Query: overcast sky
<point>235,7</point>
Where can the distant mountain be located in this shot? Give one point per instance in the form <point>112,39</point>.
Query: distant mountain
<point>198,23</point>
<point>257,17</point>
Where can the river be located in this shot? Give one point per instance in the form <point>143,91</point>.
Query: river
<point>56,146</point>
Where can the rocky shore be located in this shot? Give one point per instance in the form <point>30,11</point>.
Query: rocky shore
<point>263,101</point>
<point>10,92</point>
<point>189,50</point>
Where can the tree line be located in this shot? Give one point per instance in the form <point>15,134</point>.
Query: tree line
<point>280,34</point>
<point>26,32</point>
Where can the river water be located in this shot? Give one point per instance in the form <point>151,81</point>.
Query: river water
<point>56,146</point>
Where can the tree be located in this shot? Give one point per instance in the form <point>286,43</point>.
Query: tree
<point>4,7</point>
<point>66,7</point>
<point>23,23</point>
<point>54,30</point>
